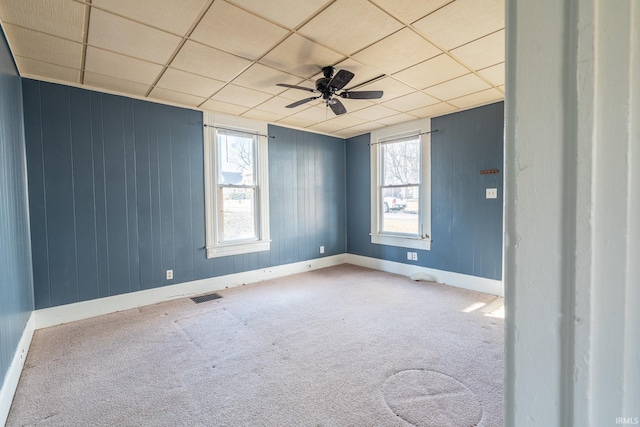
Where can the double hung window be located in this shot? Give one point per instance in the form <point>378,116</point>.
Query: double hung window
<point>236,186</point>
<point>400,186</point>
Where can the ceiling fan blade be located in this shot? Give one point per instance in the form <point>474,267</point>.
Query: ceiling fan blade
<point>362,94</point>
<point>295,87</point>
<point>336,106</point>
<point>302,101</point>
<point>340,80</point>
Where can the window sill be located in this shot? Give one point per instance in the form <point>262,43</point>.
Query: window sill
<point>403,242</point>
<point>238,249</point>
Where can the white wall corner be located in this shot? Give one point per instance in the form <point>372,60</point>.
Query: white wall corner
<point>12,377</point>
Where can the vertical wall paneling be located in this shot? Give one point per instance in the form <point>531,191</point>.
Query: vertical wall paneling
<point>118,192</point>
<point>84,195</point>
<point>58,176</point>
<point>466,227</point>
<point>16,279</point>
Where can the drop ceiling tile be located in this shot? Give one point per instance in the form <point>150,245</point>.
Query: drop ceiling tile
<point>265,116</point>
<point>263,78</point>
<point>356,104</point>
<point>434,110</point>
<point>223,107</point>
<point>494,74</point>
<point>284,12</point>
<point>191,84</point>
<point>457,87</point>
<point>391,88</point>
<point>241,96</point>
<point>477,98</point>
<point>300,56</point>
<point>278,105</point>
<point>462,21</point>
<point>236,31</point>
<point>176,97</point>
<point>345,121</point>
<point>411,102</point>
<point>397,52</point>
<point>296,94</point>
<point>398,118</point>
<point>431,72</point>
<point>350,25</point>
<point>115,84</point>
<point>374,112</point>
<point>364,128</point>
<point>297,122</point>
<point>120,66</point>
<point>121,35</point>
<point>362,72</point>
<point>33,68</point>
<point>209,62</point>
<point>346,133</point>
<point>502,88</point>
<point>409,11</point>
<point>173,16</point>
<point>43,47</point>
<point>63,18</point>
<point>315,114</point>
<point>324,127</point>
<point>482,53</point>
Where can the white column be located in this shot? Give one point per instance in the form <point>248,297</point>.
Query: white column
<point>572,273</point>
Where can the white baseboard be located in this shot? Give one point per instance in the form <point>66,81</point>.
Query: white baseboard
<point>12,377</point>
<point>480,284</point>
<point>86,309</point>
<point>83,310</point>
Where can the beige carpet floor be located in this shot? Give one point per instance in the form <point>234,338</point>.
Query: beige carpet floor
<point>342,346</point>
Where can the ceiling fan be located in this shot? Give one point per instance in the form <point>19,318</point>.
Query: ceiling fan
<point>327,87</point>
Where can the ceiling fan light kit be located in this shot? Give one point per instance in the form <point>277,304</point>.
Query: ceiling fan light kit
<point>328,86</point>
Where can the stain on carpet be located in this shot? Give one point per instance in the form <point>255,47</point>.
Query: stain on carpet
<point>431,399</point>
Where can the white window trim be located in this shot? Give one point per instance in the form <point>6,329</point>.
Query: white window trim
<point>403,129</point>
<point>263,243</point>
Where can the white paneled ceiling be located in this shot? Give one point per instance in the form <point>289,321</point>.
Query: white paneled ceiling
<point>430,57</point>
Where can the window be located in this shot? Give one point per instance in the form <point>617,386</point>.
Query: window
<point>401,185</point>
<point>236,186</point>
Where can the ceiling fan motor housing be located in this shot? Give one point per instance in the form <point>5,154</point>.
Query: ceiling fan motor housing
<point>322,86</point>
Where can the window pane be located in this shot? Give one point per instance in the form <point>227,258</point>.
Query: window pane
<point>401,162</point>
<point>236,158</point>
<point>401,210</point>
<point>238,218</point>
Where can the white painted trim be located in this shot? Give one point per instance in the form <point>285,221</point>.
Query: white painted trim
<point>211,164</point>
<point>86,309</point>
<point>12,377</point>
<point>480,284</point>
<point>423,128</point>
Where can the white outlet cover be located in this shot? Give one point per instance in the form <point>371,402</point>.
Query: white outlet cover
<point>409,256</point>
<point>492,193</point>
<point>169,274</point>
<point>415,256</point>
<point>321,249</point>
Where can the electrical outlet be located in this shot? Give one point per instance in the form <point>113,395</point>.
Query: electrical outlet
<point>492,193</point>
<point>169,274</point>
<point>321,249</point>
<point>409,256</point>
<point>415,256</point>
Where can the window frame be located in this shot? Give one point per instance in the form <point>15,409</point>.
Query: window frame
<point>214,246</point>
<point>378,137</point>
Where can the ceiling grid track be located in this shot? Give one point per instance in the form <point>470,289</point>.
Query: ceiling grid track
<point>227,55</point>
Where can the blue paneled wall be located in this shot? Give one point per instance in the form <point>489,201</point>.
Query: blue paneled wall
<point>466,227</point>
<point>117,195</point>
<point>16,284</point>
